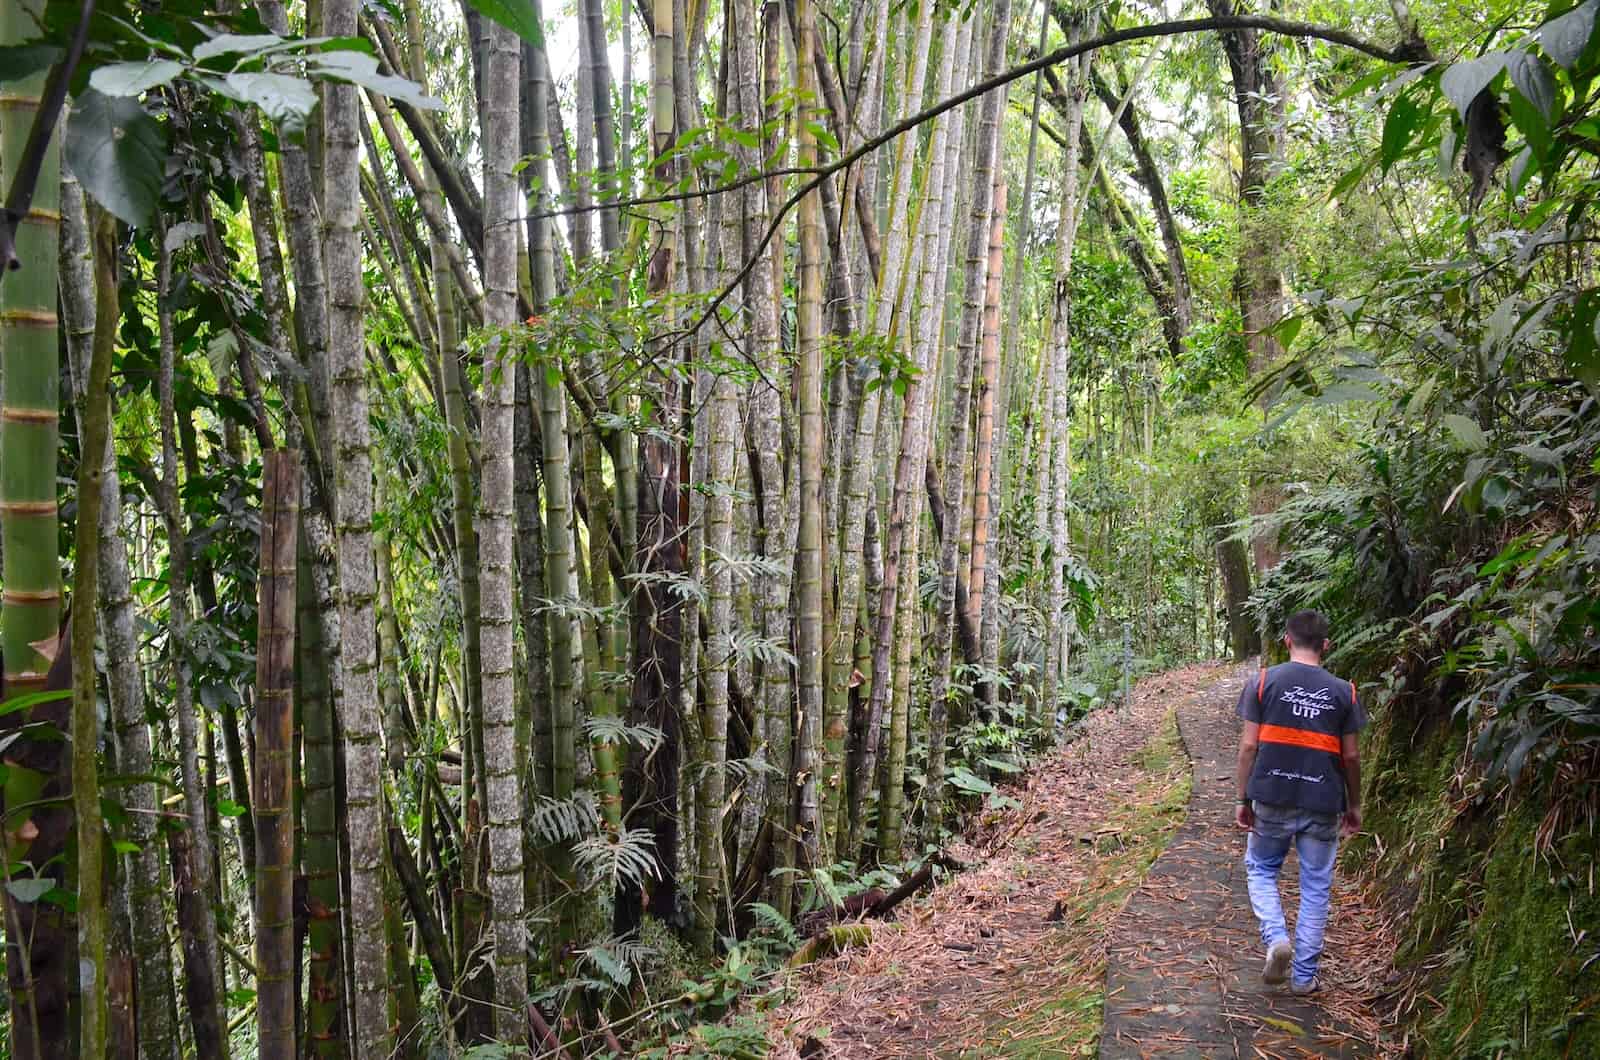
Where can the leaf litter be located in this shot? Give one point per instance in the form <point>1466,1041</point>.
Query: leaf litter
<point>1008,958</point>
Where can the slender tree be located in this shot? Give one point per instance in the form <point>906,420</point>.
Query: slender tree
<point>361,715</point>
<point>1056,446</point>
<point>892,293</point>
<point>977,260</point>
<point>193,866</point>
<point>79,300</point>
<point>501,70</point>
<point>274,775</point>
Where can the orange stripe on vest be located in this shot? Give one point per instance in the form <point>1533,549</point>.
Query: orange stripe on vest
<point>1316,741</point>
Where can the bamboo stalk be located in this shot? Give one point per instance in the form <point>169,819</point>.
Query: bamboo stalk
<point>274,776</point>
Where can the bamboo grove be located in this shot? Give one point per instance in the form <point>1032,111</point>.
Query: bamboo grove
<point>544,488</point>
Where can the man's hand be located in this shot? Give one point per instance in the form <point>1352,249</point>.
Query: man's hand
<point>1350,824</point>
<point>1244,816</point>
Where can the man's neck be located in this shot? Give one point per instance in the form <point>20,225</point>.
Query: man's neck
<point>1300,655</point>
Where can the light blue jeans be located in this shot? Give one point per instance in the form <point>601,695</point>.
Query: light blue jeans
<point>1315,837</point>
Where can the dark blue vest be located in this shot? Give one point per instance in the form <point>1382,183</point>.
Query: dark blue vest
<point>1304,711</point>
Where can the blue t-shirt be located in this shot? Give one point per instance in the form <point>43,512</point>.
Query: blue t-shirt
<point>1304,711</point>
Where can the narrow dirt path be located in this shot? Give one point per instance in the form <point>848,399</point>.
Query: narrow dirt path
<point>1109,894</point>
<point>1007,958</point>
<point>1184,965</point>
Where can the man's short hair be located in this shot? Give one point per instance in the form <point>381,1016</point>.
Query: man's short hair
<point>1307,629</point>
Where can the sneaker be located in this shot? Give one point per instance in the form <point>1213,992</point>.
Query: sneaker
<point>1278,958</point>
<point>1306,989</point>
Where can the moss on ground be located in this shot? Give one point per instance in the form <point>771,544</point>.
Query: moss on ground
<point>1500,943</point>
<point>1067,1021</point>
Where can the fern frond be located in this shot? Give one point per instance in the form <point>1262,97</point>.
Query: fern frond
<point>751,646</point>
<point>616,730</point>
<point>768,917</point>
<point>563,820</point>
<point>628,857</point>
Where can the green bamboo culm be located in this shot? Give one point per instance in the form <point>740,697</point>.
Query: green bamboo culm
<point>30,615</point>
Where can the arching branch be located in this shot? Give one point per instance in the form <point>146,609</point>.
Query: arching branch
<point>1263,23</point>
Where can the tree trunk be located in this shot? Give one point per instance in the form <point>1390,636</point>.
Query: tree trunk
<point>1233,563</point>
<point>813,438</point>
<point>89,350</point>
<point>326,1017</point>
<point>899,260</point>
<point>985,563</point>
<point>910,465</point>
<point>39,935</point>
<point>155,1017</point>
<point>1056,448</point>
<point>1258,277</point>
<point>1149,178</point>
<point>274,777</point>
<point>302,195</point>
<point>357,575</point>
<point>651,783</point>
<point>192,864</point>
<point>955,455</point>
<point>499,106</point>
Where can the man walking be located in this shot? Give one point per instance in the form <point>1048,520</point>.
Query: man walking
<point>1299,783</point>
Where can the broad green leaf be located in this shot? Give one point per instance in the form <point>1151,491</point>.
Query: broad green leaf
<point>1538,454</point>
<point>1522,167</point>
<point>1565,38</point>
<point>235,43</point>
<point>515,15</point>
<point>18,61</point>
<point>183,232</point>
<point>358,68</point>
<point>134,79</point>
<point>1346,391</point>
<point>1418,401</point>
<point>1463,81</point>
<point>1503,321</point>
<point>31,889</point>
<point>220,352</point>
<point>1390,86</point>
<point>1373,80</point>
<point>1467,433</point>
<point>1582,336</point>
<point>1498,493</point>
<point>118,152</point>
<point>1351,178</point>
<point>1530,121</point>
<point>963,779</point>
<point>1532,79</point>
<point>286,100</point>
<point>1288,329</point>
<point>1398,128</point>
